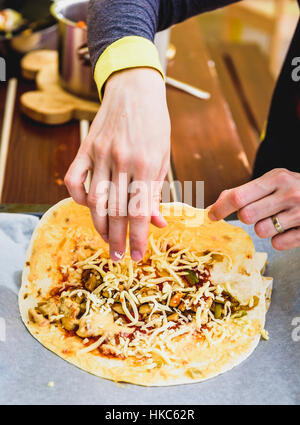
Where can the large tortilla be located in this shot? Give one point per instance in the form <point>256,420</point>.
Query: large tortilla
<point>192,358</point>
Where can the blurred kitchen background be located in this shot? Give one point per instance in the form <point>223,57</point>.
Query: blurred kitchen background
<point>269,23</point>
<point>221,69</point>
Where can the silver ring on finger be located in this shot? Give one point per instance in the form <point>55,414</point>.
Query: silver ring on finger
<point>277,225</point>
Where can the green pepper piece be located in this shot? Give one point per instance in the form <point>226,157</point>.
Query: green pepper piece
<point>218,310</point>
<point>191,277</point>
<point>239,313</point>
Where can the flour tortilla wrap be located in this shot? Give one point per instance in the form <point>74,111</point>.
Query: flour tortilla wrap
<point>190,346</point>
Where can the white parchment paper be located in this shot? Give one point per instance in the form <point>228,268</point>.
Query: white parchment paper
<point>270,376</point>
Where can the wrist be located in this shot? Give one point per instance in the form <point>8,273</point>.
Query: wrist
<point>134,79</point>
<point>129,52</point>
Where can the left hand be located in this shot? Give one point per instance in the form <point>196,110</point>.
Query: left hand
<point>275,193</point>
<point>127,150</point>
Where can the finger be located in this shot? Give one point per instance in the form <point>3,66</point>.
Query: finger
<point>139,212</point>
<point>288,219</point>
<point>97,200</point>
<point>221,196</point>
<point>158,220</point>
<point>76,176</point>
<point>287,240</point>
<point>235,199</point>
<point>118,218</point>
<point>263,208</point>
<point>156,217</point>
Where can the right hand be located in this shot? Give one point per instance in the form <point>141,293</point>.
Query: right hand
<point>130,134</point>
<point>276,193</point>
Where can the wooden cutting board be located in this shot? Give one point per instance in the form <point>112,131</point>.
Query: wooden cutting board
<point>50,103</point>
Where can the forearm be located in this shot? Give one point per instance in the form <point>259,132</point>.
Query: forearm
<point>111,20</point>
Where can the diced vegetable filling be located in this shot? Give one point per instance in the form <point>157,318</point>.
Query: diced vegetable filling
<point>169,291</point>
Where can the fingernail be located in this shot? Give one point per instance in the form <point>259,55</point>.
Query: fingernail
<point>211,216</point>
<point>116,255</point>
<point>105,238</point>
<point>136,256</point>
<point>164,221</point>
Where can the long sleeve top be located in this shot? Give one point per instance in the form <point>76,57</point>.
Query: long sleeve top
<point>121,32</point>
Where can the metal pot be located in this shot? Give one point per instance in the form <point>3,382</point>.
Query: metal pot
<point>75,71</point>
<point>36,31</point>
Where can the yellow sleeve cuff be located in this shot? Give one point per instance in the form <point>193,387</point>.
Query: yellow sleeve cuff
<point>127,52</point>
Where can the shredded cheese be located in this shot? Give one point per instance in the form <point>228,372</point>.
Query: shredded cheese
<point>133,319</point>
<point>93,346</point>
<point>155,283</point>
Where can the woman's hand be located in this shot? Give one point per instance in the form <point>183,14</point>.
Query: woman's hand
<point>128,142</point>
<point>275,193</point>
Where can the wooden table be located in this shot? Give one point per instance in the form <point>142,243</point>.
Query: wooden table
<point>212,140</point>
<point>215,140</point>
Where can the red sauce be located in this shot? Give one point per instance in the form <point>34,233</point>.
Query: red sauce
<point>69,334</point>
<point>110,355</point>
<point>55,291</point>
<point>173,250</point>
<point>125,318</point>
<point>65,276</point>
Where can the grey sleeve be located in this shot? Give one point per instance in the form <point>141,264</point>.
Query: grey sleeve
<point>110,20</point>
